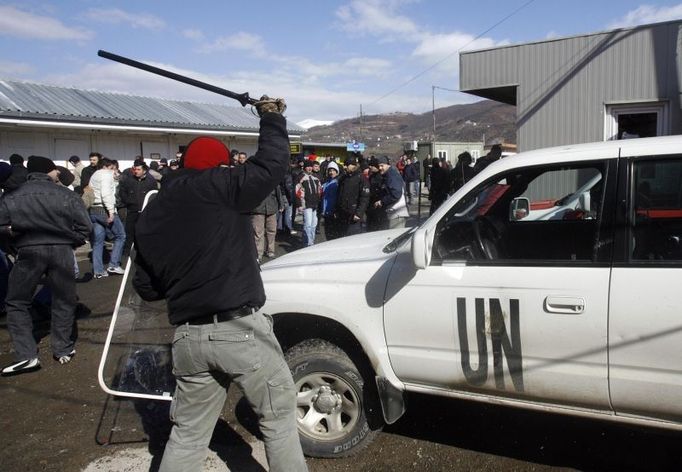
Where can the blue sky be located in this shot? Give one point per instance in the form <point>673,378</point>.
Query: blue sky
<point>325,57</point>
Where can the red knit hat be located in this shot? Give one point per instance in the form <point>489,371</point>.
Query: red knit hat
<point>205,153</point>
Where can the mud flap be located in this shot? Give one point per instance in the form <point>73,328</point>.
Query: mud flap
<point>392,400</point>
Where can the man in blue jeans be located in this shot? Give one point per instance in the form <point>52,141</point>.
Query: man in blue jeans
<point>104,217</point>
<point>195,249</point>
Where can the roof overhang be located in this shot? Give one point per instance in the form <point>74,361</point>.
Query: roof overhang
<point>504,94</point>
<point>125,128</point>
<point>329,145</point>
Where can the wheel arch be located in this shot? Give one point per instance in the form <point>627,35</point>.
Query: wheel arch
<point>293,328</point>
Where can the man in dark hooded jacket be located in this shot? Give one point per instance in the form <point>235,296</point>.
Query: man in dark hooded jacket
<point>440,185</point>
<point>352,199</point>
<point>196,249</point>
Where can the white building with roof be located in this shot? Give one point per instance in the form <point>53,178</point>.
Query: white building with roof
<point>58,122</point>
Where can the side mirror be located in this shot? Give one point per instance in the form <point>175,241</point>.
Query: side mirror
<point>421,248</point>
<point>519,208</point>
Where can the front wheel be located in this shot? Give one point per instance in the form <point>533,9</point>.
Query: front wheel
<point>330,400</point>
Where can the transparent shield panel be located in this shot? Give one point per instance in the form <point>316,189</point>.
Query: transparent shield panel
<point>137,361</point>
<point>137,357</point>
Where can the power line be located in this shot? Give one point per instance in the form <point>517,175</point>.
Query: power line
<point>409,81</point>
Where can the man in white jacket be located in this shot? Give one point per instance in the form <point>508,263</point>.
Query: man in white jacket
<point>105,218</point>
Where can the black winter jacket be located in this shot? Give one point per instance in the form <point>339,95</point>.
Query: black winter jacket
<point>132,190</point>
<point>195,239</point>
<point>42,212</point>
<point>353,196</point>
<point>16,179</point>
<point>287,189</point>
<point>411,173</point>
<point>270,204</point>
<point>391,187</point>
<point>86,174</point>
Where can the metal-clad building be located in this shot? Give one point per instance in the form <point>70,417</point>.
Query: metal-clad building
<point>58,122</point>
<point>610,85</point>
<point>448,150</point>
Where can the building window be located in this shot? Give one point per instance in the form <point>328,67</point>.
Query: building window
<point>626,121</point>
<point>442,155</point>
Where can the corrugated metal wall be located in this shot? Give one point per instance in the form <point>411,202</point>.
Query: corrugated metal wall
<point>565,84</point>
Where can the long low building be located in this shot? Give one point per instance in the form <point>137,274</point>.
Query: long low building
<point>58,122</point>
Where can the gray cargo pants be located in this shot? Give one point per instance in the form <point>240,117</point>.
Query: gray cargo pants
<point>206,358</point>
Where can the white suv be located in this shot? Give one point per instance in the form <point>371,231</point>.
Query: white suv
<point>550,281</point>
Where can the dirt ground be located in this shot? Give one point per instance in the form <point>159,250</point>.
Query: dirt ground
<point>59,419</point>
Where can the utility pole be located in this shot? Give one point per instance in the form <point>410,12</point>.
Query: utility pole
<point>433,106</point>
<point>433,112</point>
<point>361,125</point>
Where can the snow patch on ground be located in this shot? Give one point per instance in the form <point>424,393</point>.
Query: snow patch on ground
<point>139,460</point>
<point>307,124</point>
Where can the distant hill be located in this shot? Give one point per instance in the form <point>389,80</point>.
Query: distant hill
<point>385,134</point>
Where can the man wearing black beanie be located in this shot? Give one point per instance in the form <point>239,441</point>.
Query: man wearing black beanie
<point>44,222</point>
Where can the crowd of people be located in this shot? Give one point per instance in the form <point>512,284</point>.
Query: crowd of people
<point>361,194</point>
<point>345,198</point>
<point>340,198</point>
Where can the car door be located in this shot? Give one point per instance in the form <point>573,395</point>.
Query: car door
<point>645,326</point>
<point>511,304</point>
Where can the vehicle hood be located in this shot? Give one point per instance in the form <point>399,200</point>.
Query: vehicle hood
<point>361,247</point>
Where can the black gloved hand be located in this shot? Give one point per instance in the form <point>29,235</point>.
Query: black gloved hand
<point>270,105</point>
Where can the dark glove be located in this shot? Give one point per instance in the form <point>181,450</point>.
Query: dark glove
<point>270,105</point>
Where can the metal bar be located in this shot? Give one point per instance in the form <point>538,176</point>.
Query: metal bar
<point>242,98</point>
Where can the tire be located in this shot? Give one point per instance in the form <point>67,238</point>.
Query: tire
<point>331,400</point>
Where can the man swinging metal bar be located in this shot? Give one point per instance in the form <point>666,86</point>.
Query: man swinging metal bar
<point>194,249</point>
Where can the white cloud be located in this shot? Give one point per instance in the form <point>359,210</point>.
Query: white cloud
<point>241,41</point>
<point>22,24</point>
<point>382,18</point>
<point>193,34</point>
<point>377,18</point>
<point>648,14</point>
<point>367,66</point>
<point>116,16</point>
<point>15,69</point>
<point>311,72</point>
<point>434,46</point>
<point>441,50</point>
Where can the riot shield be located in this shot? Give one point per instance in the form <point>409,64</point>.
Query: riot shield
<point>136,361</point>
